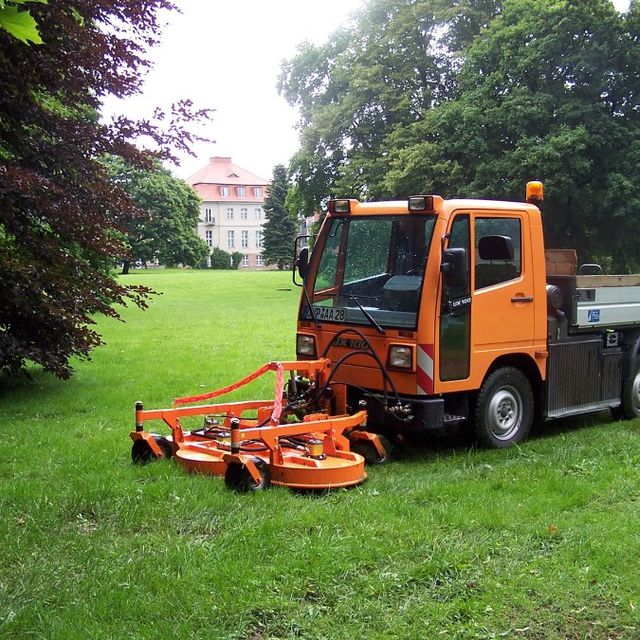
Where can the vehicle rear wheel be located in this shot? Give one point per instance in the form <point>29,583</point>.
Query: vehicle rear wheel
<point>630,406</point>
<point>238,478</point>
<point>504,408</point>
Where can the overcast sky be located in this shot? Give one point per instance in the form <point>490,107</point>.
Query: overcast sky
<point>227,56</point>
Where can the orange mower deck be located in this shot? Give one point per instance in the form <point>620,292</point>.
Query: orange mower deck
<point>280,443</point>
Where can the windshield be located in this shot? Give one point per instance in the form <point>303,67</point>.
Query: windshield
<point>370,270</point>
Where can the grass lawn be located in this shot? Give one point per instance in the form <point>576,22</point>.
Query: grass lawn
<point>537,542</point>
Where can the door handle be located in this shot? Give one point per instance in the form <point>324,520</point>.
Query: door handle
<point>522,299</point>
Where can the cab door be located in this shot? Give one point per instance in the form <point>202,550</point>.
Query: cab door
<point>503,287</point>
<point>455,310</point>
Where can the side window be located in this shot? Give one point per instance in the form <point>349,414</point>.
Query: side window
<point>459,239</point>
<point>497,251</point>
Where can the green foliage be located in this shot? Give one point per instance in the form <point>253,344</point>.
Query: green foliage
<point>545,90</point>
<point>446,541</point>
<point>236,259</point>
<point>548,92</point>
<point>62,223</point>
<point>280,228</point>
<point>220,259</point>
<point>385,71</point>
<point>169,212</point>
<point>20,24</point>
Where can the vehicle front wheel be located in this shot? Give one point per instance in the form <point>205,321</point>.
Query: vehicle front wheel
<point>504,408</point>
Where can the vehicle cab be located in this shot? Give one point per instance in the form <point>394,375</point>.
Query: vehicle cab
<point>415,301</point>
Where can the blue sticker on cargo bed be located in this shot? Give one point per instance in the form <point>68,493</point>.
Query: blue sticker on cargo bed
<point>593,315</point>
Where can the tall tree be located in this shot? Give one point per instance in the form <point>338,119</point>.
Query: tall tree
<point>169,210</point>
<point>280,228</point>
<point>387,70</point>
<point>549,91</point>
<point>61,219</point>
<point>473,98</point>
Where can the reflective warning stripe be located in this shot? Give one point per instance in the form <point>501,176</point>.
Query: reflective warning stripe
<point>424,373</point>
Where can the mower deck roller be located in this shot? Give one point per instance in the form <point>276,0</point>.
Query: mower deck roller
<point>301,439</point>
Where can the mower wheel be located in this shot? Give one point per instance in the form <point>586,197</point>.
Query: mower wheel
<point>141,452</point>
<point>238,478</point>
<point>368,450</point>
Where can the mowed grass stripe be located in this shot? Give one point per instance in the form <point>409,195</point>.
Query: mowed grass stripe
<point>446,541</point>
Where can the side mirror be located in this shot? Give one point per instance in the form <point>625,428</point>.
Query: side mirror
<point>454,269</point>
<point>300,259</point>
<point>303,261</point>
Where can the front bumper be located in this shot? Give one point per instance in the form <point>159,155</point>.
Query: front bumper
<point>427,413</point>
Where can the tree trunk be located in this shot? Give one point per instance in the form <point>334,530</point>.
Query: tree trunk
<point>125,267</point>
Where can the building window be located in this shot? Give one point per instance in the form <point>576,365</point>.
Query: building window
<point>259,260</point>
<point>209,237</point>
<point>241,191</point>
<point>258,239</point>
<point>245,239</point>
<point>208,215</point>
<point>257,192</point>
<point>230,213</point>
<point>245,260</point>
<point>224,191</point>
<point>231,239</point>
<point>243,214</point>
<point>258,213</point>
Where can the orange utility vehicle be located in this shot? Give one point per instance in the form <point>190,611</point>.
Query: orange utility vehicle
<point>417,315</point>
<point>435,312</point>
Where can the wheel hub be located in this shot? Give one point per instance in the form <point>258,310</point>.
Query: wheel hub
<point>505,413</point>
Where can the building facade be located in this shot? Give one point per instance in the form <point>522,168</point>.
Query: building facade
<point>232,210</point>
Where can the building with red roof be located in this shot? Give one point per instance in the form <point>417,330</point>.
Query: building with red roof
<point>232,213</point>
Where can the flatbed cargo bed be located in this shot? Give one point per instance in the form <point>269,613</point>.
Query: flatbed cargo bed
<point>607,301</point>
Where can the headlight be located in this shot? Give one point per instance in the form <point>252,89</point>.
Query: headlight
<point>400,357</point>
<point>306,345</point>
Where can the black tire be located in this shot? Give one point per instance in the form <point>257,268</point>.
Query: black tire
<point>368,451</point>
<point>141,452</point>
<point>238,478</point>
<point>504,409</point>
<point>630,399</point>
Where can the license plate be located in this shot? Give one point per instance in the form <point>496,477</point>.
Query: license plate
<point>331,314</point>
